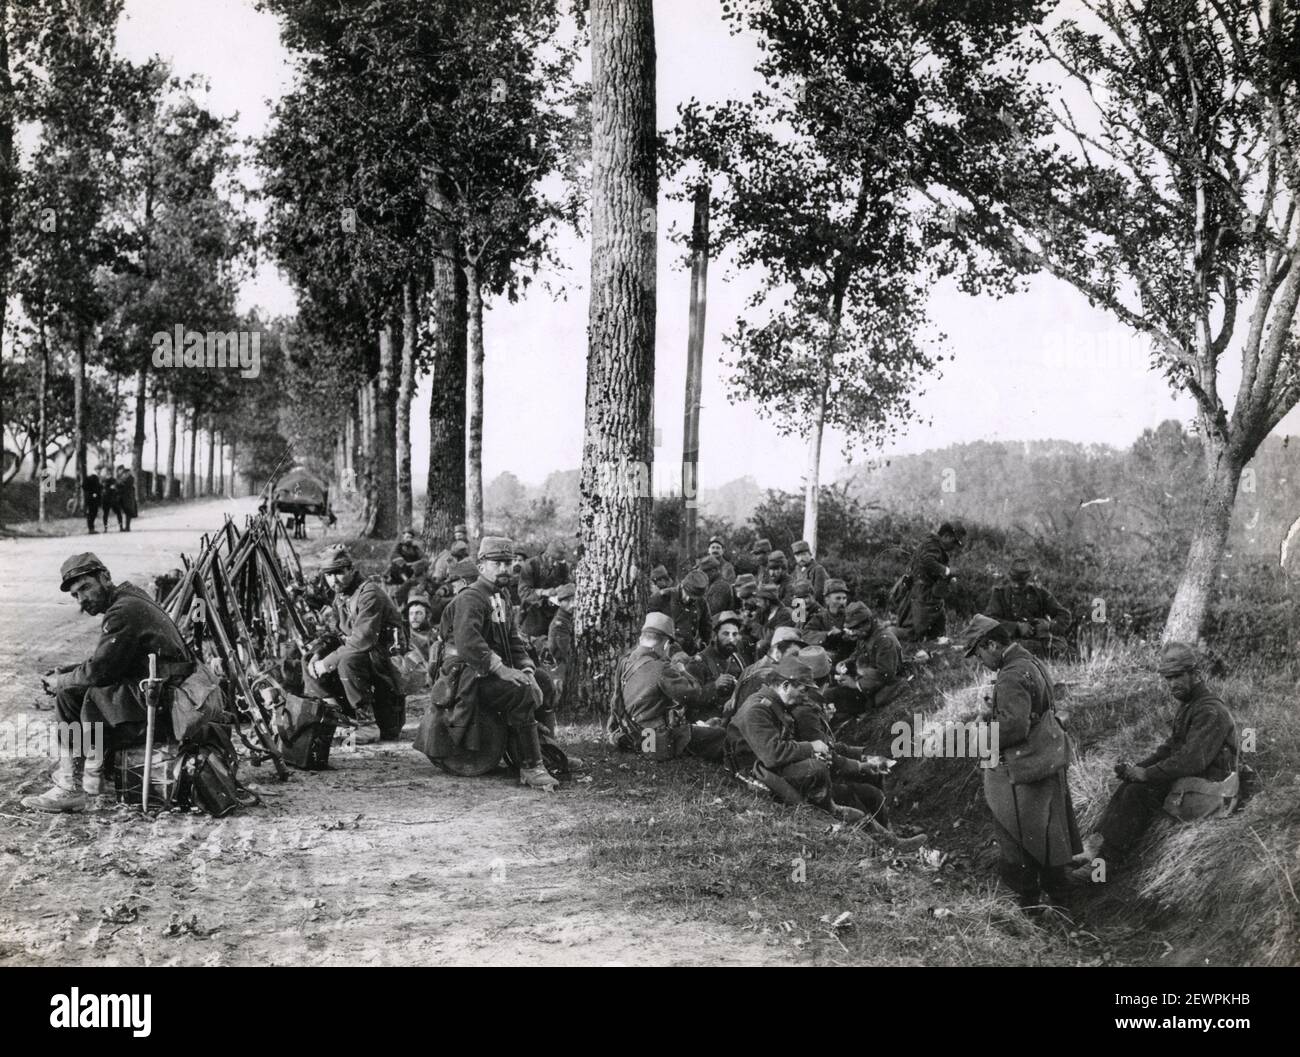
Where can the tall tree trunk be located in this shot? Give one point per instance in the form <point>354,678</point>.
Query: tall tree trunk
<point>385,442</point>
<point>234,468</point>
<point>8,185</point>
<point>42,429</point>
<point>474,405</point>
<point>694,372</point>
<point>444,501</point>
<point>137,440</point>
<point>221,464</point>
<point>210,481</point>
<point>618,443</point>
<point>79,413</point>
<point>1200,574</point>
<point>192,490</point>
<point>169,485</point>
<point>405,389</point>
<point>156,490</point>
<point>813,480</point>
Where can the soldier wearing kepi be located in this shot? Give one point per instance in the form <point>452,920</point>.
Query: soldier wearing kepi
<point>720,595</point>
<point>718,553</point>
<point>651,699</point>
<point>1201,750</point>
<point>559,636</point>
<point>718,666</point>
<point>104,690</point>
<point>807,567</point>
<point>497,668</point>
<point>457,550</point>
<point>689,611</point>
<point>932,576</point>
<point>360,673</point>
<point>1027,791</point>
<point>1026,610</point>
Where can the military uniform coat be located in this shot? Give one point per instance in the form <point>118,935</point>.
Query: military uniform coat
<point>133,627</point>
<point>815,574</point>
<point>1202,742</point>
<point>1009,604</point>
<point>1037,817</point>
<point>690,617</point>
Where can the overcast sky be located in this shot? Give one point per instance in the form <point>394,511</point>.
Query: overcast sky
<point>1039,365</point>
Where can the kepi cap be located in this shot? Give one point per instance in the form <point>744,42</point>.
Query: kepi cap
<point>85,564</point>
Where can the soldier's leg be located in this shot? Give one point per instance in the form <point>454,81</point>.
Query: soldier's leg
<point>545,712</point>
<point>356,675</point>
<point>65,794</point>
<point>390,702</point>
<point>92,509</point>
<point>1129,813</point>
<point>861,794</point>
<point>516,704</point>
<point>811,779</point>
<point>1015,868</point>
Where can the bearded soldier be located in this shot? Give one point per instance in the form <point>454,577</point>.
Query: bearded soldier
<point>718,667</point>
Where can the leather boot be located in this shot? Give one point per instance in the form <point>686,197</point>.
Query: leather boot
<point>531,771</point>
<point>65,794</point>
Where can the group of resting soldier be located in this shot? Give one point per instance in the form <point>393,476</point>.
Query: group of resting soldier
<point>751,686</point>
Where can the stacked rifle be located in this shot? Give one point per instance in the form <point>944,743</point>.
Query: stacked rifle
<point>235,607</point>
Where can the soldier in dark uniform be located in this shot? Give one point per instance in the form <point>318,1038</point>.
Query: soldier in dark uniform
<point>758,554</point>
<point>718,553</point>
<point>406,560</point>
<point>127,507</point>
<point>1027,611</point>
<point>877,656</point>
<point>766,613</point>
<point>718,667</point>
<point>102,694</point>
<point>1034,821</point>
<point>559,636</point>
<point>762,741</point>
<point>759,674</point>
<point>803,607</point>
<point>807,567</point>
<point>360,673</point>
<point>660,580</point>
<point>721,595</point>
<point>826,625</point>
<point>931,573</point>
<point>538,578</point>
<point>778,574</point>
<point>457,550</point>
<point>110,503</point>
<point>1202,743</point>
<point>688,610</point>
<point>652,697</point>
<point>497,669</point>
<point>91,493</point>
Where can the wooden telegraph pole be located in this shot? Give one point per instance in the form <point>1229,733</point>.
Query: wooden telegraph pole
<point>694,365</point>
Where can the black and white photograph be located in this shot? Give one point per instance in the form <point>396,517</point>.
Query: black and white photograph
<point>650,483</point>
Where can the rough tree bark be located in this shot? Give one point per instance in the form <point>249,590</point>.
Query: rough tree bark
<point>474,405</point>
<point>405,389</point>
<point>78,412</point>
<point>169,485</point>
<point>444,504</point>
<point>384,447</point>
<point>617,453</point>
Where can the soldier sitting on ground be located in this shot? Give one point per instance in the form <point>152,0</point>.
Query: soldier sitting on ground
<point>648,711</point>
<point>1029,612</point>
<point>359,674</point>
<point>102,694</point>
<point>762,742</point>
<point>407,558</point>
<point>763,670</point>
<point>717,667</point>
<point>688,610</point>
<point>857,777</point>
<point>873,675</point>
<point>1200,754</point>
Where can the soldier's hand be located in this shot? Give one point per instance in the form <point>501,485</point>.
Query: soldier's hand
<point>515,676</point>
<point>725,683</point>
<point>820,748</point>
<point>47,683</point>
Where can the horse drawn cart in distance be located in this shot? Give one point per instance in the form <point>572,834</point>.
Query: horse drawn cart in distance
<point>298,494</point>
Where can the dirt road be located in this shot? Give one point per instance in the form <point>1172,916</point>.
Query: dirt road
<point>381,860</point>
